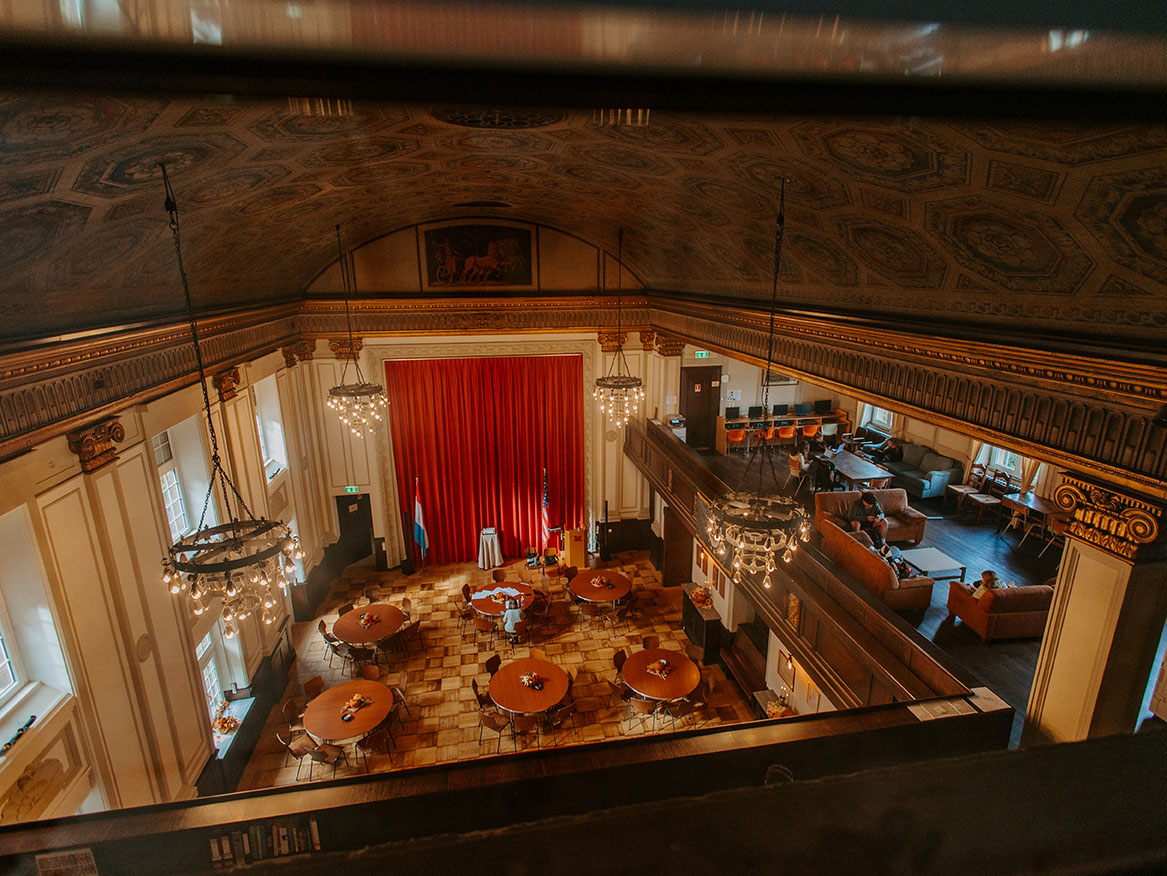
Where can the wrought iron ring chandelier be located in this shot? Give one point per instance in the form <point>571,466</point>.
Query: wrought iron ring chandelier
<point>619,392</point>
<point>237,561</point>
<point>759,524</point>
<point>359,404</point>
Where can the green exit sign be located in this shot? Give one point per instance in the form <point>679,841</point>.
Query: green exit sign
<point>700,354</point>
<point>352,489</point>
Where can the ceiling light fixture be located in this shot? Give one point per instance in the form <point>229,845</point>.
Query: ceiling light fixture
<point>619,392</point>
<point>359,404</point>
<point>237,561</point>
<point>758,524</point>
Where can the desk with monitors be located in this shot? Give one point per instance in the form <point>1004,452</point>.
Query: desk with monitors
<point>799,415</point>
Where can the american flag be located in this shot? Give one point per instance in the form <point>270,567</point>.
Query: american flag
<point>544,522</point>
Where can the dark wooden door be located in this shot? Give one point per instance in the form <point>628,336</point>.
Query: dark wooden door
<point>699,401</point>
<point>355,515</point>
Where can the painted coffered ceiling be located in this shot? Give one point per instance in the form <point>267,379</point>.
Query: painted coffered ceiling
<point>1055,227</point>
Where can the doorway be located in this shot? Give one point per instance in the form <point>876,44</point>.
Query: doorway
<point>355,515</point>
<point>700,398</point>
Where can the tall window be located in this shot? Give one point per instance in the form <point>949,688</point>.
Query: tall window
<point>171,488</point>
<point>9,677</point>
<point>1005,460</point>
<point>212,689</point>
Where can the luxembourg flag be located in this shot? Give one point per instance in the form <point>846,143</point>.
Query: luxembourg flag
<point>419,534</point>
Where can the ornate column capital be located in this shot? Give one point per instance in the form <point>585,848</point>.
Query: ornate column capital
<point>1127,526</point>
<point>667,345</point>
<point>226,383</point>
<point>289,354</point>
<point>610,342</point>
<point>304,349</point>
<point>647,340</point>
<point>94,444</point>
<point>342,349</point>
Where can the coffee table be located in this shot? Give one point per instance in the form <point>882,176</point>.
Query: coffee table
<point>934,564</point>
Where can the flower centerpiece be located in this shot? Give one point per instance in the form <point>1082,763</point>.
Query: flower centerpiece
<point>778,708</point>
<point>223,723</point>
<point>356,701</point>
<point>701,596</point>
<point>660,668</point>
<point>367,619</point>
<point>601,581</point>
<point>531,680</point>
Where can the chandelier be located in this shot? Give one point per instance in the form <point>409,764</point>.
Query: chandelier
<point>759,524</point>
<point>358,404</point>
<point>237,561</point>
<point>619,392</point>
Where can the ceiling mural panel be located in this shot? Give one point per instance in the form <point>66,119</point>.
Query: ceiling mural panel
<point>989,222</point>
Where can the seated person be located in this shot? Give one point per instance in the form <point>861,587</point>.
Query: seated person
<point>510,617</point>
<point>889,451</point>
<point>865,514</point>
<point>990,580</point>
<point>895,559</point>
<point>821,473</point>
<point>817,444</point>
<point>801,456</point>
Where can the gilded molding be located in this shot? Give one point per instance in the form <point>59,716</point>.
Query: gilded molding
<point>343,348</point>
<point>610,342</point>
<point>95,444</point>
<point>1123,525</point>
<point>666,345</point>
<point>304,349</point>
<point>289,354</point>
<point>226,383</point>
<point>647,341</point>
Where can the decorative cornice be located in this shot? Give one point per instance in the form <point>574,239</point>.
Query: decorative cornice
<point>343,348</point>
<point>226,383</point>
<point>95,444</point>
<point>647,341</point>
<point>611,342</point>
<point>1126,526</point>
<point>667,345</point>
<point>304,349</point>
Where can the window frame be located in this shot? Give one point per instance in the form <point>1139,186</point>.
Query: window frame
<point>874,418</point>
<point>10,658</point>
<point>169,468</point>
<point>207,659</point>
<point>992,461</point>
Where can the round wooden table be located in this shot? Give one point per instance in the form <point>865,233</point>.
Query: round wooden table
<point>348,626</point>
<point>494,607</point>
<point>581,585</point>
<point>511,695</point>
<point>684,676</point>
<point>322,718</point>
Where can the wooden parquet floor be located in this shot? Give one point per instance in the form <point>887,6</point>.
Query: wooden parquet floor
<point>436,678</point>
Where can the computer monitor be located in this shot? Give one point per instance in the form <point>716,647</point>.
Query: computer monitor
<point>823,406</point>
<point>802,409</point>
<point>780,410</point>
<point>733,413</point>
<point>756,412</point>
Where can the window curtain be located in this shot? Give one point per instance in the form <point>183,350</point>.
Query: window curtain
<point>1029,469</point>
<point>477,434</point>
<point>974,455</point>
<point>862,414</point>
<point>898,424</point>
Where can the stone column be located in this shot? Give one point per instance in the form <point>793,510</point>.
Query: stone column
<point>1108,610</point>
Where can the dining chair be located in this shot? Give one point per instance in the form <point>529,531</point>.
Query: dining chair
<point>466,615</point>
<point>324,634</point>
<point>373,594</point>
<point>296,747</point>
<point>378,740</point>
<point>493,662</point>
<point>830,433</point>
<point>679,708</point>
<point>569,694</point>
<point>642,710</point>
<point>538,654</point>
<point>619,614</point>
<point>314,687</point>
<point>619,690</point>
<point>557,718</point>
<point>618,659</point>
<point>976,478</point>
<point>787,435</point>
<point>1056,529</point>
<point>570,572</point>
<point>344,609</point>
<point>407,609</point>
<point>797,473</point>
<point>485,625</point>
<point>370,672</point>
<point>360,655</point>
<point>326,754</point>
<point>648,642</point>
<point>292,717</point>
<point>522,628</point>
<point>399,701</point>
<point>524,724</point>
<point>338,649</point>
<point>996,485</point>
<point>810,430</point>
<point>484,700</point>
<point>736,438</point>
<point>495,721</point>
<point>499,575</point>
<point>466,591</point>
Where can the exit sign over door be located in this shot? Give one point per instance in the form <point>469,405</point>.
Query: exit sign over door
<point>700,354</point>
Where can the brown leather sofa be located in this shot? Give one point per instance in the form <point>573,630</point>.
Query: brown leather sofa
<point>1002,613</point>
<point>851,551</point>
<point>904,523</point>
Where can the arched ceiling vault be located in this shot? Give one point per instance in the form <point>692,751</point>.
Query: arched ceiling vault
<point>1057,229</point>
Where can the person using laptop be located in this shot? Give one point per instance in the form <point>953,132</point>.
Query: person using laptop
<point>866,515</point>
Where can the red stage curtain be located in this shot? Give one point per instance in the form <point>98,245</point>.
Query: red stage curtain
<point>477,434</point>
